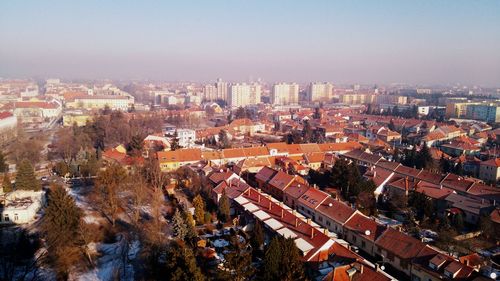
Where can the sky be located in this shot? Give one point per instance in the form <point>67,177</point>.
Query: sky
<point>398,41</point>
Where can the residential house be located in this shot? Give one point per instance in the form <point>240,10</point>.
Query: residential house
<point>490,170</point>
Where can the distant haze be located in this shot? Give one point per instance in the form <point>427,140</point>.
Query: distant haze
<point>426,42</point>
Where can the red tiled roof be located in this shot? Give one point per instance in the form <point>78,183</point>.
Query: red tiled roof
<point>495,216</point>
<point>361,224</point>
<point>432,190</point>
<point>313,197</point>
<point>296,189</point>
<point>335,210</point>
<point>218,177</point>
<point>180,155</point>
<point>281,180</point>
<point>5,114</point>
<point>492,162</point>
<point>265,174</point>
<point>400,244</point>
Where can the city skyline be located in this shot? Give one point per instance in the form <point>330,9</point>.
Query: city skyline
<point>355,42</point>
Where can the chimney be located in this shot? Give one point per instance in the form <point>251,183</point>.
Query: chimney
<point>312,232</point>
<point>308,221</point>
<point>374,173</point>
<point>258,200</point>
<point>282,213</point>
<point>296,222</point>
<point>270,205</point>
<point>406,185</point>
<point>325,232</point>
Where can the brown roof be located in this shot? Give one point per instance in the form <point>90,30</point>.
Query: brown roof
<point>400,244</point>
<point>492,162</point>
<point>360,223</point>
<point>313,197</point>
<point>281,180</point>
<point>336,210</point>
<point>180,155</point>
<point>265,174</point>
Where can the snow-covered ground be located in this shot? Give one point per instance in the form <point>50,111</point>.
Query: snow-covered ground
<point>115,261</point>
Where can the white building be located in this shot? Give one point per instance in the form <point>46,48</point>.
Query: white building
<point>114,102</point>
<point>210,92</point>
<point>186,137</point>
<point>21,206</point>
<point>222,90</point>
<point>30,92</point>
<point>319,92</point>
<point>244,94</point>
<point>8,127</point>
<point>285,94</point>
<point>33,110</point>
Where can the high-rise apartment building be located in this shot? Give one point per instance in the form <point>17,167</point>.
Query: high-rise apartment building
<point>244,94</point>
<point>319,92</point>
<point>210,92</point>
<point>217,91</point>
<point>285,94</point>
<point>489,112</point>
<point>222,89</point>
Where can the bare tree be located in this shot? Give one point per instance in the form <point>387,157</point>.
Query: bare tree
<point>108,185</point>
<point>156,178</point>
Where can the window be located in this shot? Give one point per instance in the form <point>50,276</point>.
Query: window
<point>363,244</point>
<point>16,217</point>
<point>6,217</point>
<point>328,223</point>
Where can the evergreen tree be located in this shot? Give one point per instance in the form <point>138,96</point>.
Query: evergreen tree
<point>307,132</point>
<point>458,222</point>
<point>459,169</point>
<point>241,113</point>
<point>223,139</point>
<point>179,225</point>
<point>174,143</point>
<point>25,178</point>
<point>190,225</point>
<point>369,109</point>
<point>199,209</point>
<point>6,184</point>
<point>395,112</point>
<point>317,113</point>
<point>282,261</point>
<point>3,165</point>
<point>410,157</point>
<point>424,158</point>
<point>292,265</point>
<point>353,182</point>
<point>224,208</point>
<point>238,262</point>
<point>396,157</point>
<point>60,228</point>
<point>135,146</point>
<point>339,174</point>
<point>391,126</point>
<point>444,165</point>
<point>272,258</point>
<point>181,264</point>
<point>257,239</point>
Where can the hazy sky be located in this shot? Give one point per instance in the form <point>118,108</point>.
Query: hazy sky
<point>368,41</point>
